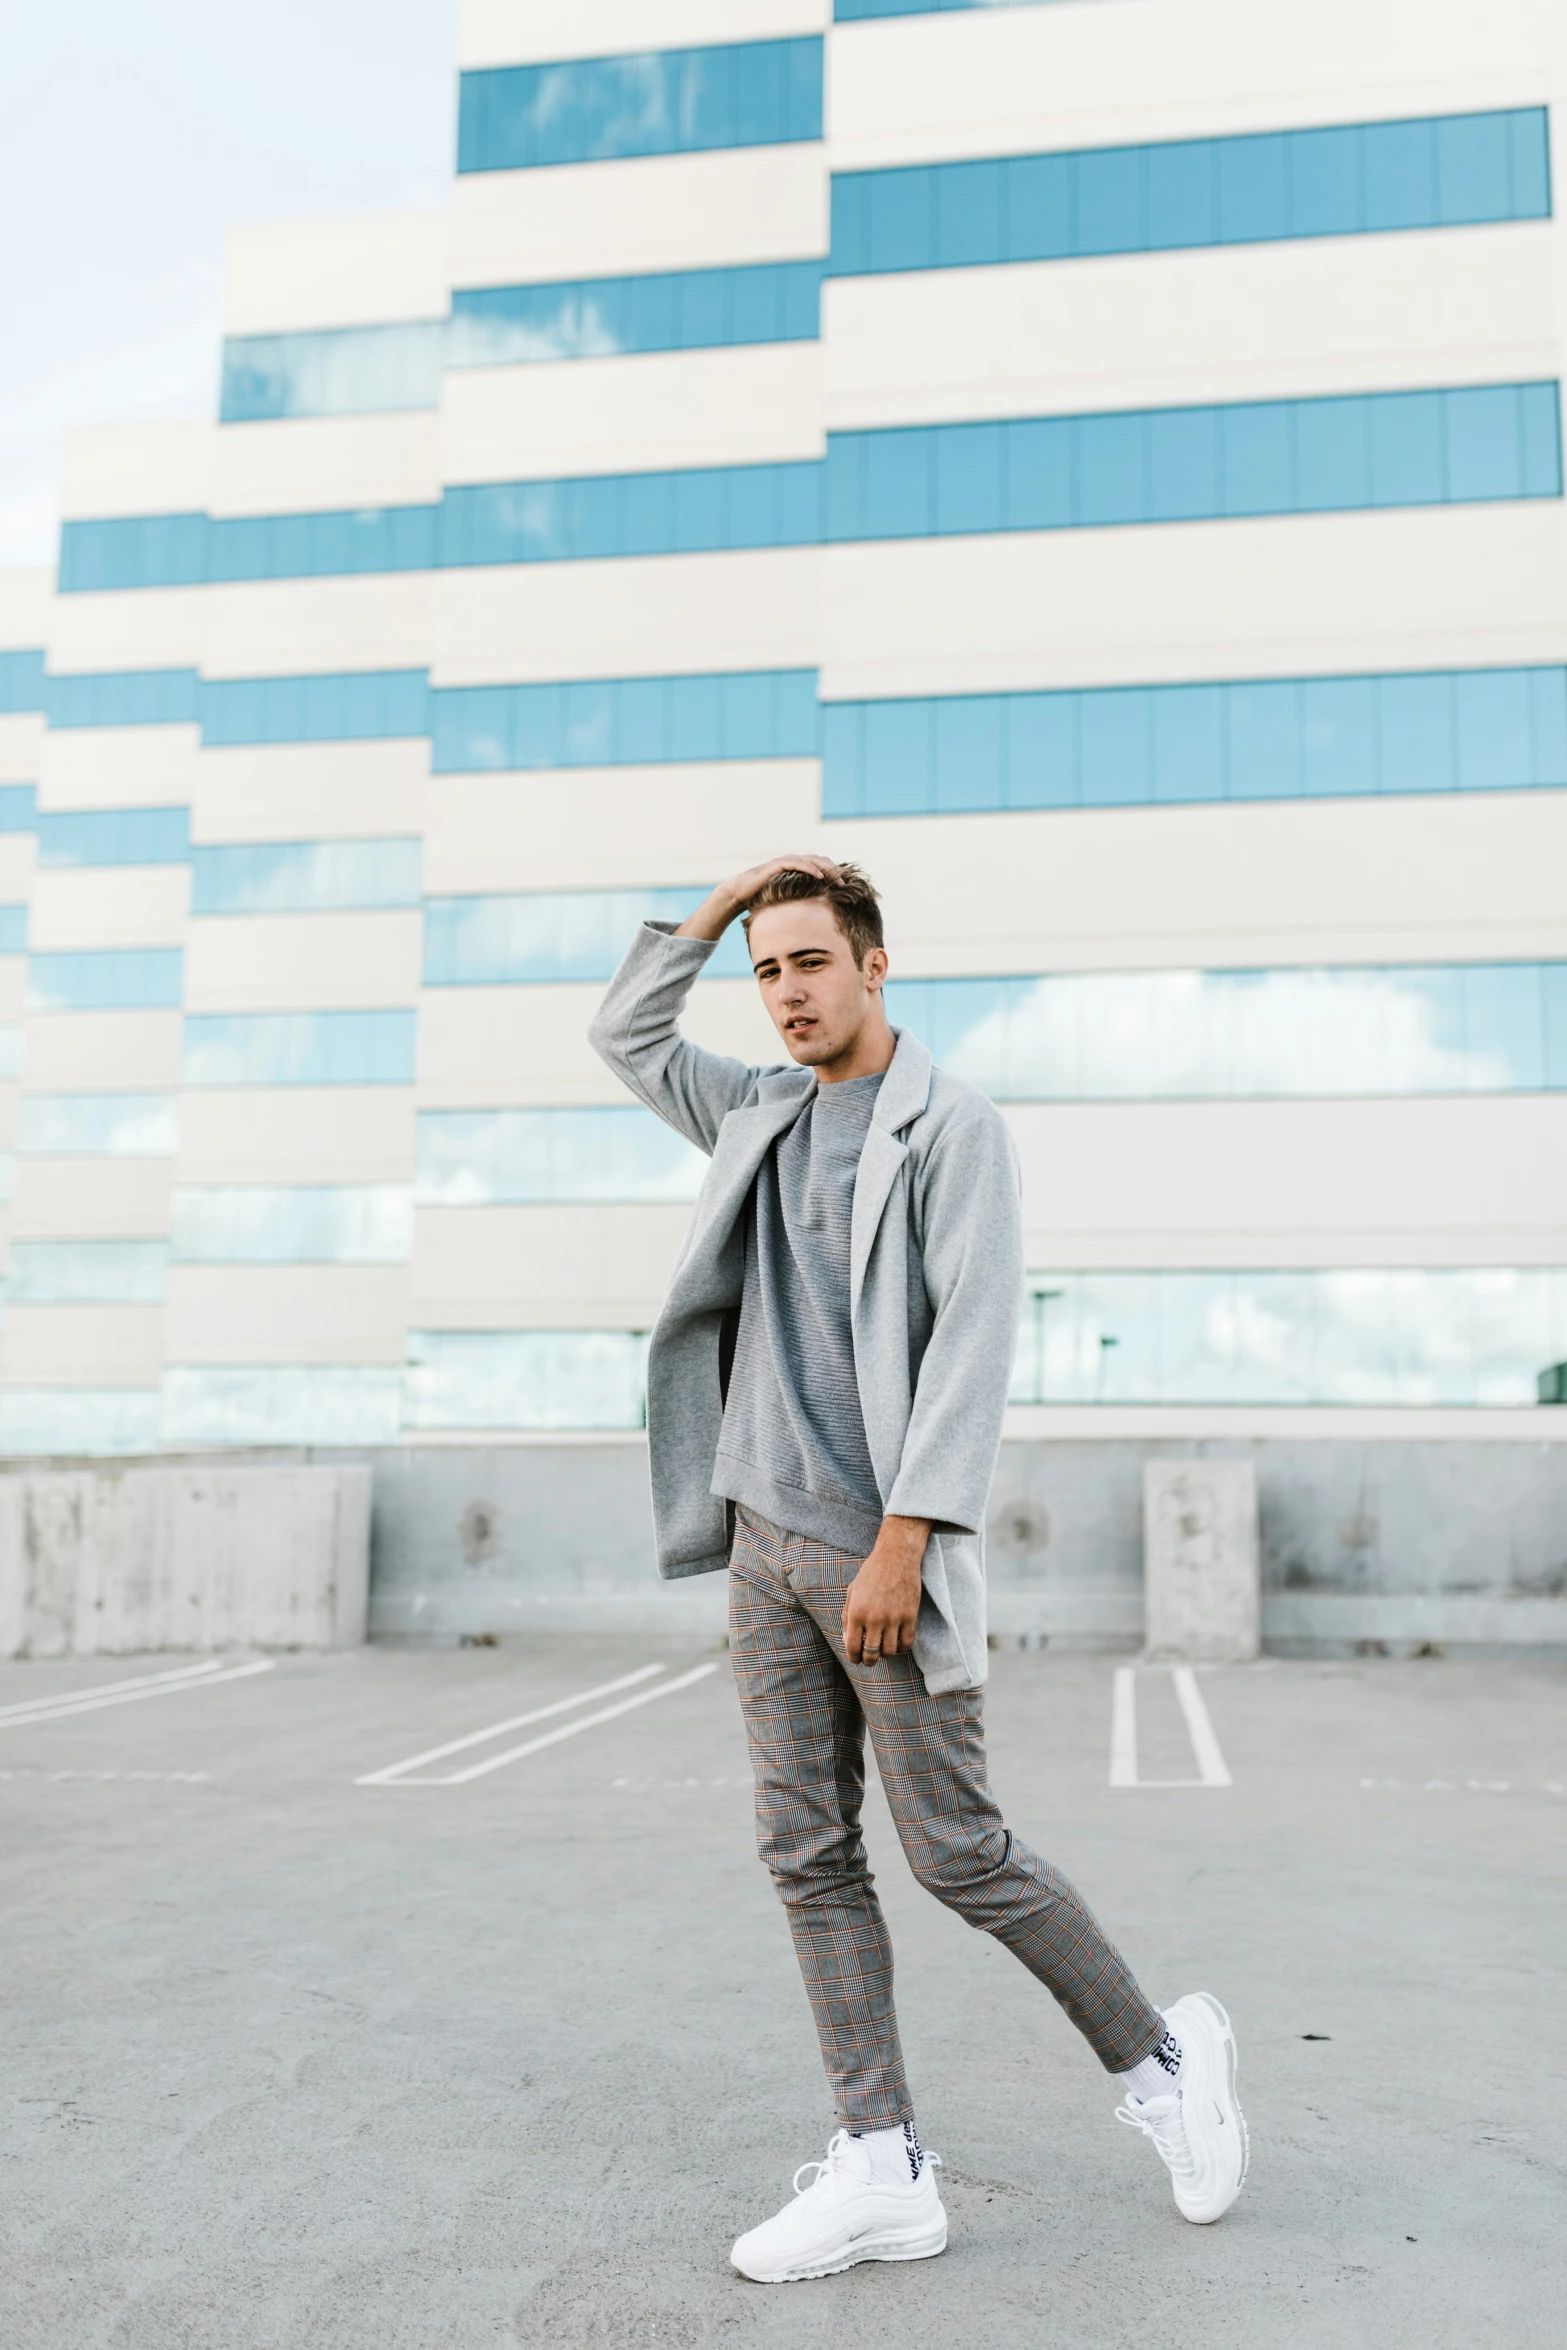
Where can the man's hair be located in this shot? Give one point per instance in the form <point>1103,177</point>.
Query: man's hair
<point>855,906</point>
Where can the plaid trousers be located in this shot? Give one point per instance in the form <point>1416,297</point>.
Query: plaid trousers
<point>806,1709</point>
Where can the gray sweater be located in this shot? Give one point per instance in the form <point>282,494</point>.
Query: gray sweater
<point>793,1440</point>
<point>935,1283</point>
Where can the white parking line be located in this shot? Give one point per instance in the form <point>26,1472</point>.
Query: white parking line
<point>1123,1729</point>
<point>34,1705</point>
<point>1213,1771</point>
<point>401,1774</point>
<point>540,1713</point>
<point>88,1702</point>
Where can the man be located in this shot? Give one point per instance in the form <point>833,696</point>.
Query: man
<point>826,1387</point>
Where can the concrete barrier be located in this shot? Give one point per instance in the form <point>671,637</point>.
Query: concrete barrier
<point>1202,1584</point>
<point>109,1560</point>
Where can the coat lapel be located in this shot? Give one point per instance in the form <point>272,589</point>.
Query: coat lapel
<point>905,1090</point>
<point>744,1140</point>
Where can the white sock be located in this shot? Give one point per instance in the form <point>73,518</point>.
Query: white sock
<point>1158,2075</point>
<point>895,2154</point>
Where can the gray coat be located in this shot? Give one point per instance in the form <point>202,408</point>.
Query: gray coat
<point>936,1266</point>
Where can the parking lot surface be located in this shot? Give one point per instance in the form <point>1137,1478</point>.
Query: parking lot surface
<point>432,2001</point>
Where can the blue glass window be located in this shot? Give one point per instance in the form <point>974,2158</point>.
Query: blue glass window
<point>281,1403</point>
<point>139,550</point>
<point>18,805</point>
<point>82,1272</point>
<point>105,979</point>
<point>188,550</point>
<point>42,1420</point>
<point>612,722</point>
<point>1348,181</point>
<point>132,697</point>
<point>13,930</point>
<point>605,317</point>
<point>114,836</point>
<point>632,514</point>
<point>1283,738</point>
<point>482,1158</point>
<point>526,1379</point>
<point>556,936</point>
<point>659,102</point>
<point>341,371</point>
<point>1368,1336</point>
<point>1028,473</point>
<point>299,1048</point>
<point>1258,457</point>
<point>97,1125</point>
<point>367,705</point>
<point>1381,1031</point>
<point>10,1050</point>
<point>305,877</point>
<point>306,1224</point>
<point>21,683</point>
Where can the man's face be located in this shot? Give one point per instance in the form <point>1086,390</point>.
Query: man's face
<point>818,996</point>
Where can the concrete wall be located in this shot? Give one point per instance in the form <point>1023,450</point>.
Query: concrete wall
<point>111,1560</point>
<point>1403,1543</point>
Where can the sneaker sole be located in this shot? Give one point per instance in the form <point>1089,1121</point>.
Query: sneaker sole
<point>898,2244</point>
<point>1226,2031</point>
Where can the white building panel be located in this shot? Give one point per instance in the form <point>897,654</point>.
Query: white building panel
<point>354,269</point>
<point>16,867</point>
<point>1105,72</point>
<point>316,627</point>
<point>102,1052</point>
<point>1150,330</point>
<point>13,984</point>
<point>83,1346</point>
<point>118,767</point>
<point>1295,1183</point>
<point>1292,882</point>
<point>163,466</point>
<point>86,1199</point>
<point>323,464</point>
<point>21,745</point>
<point>109,906</point>
<point>615,828</point>
<point>311,791</point>
<point>555,1268</point>
<point>656,212</point>
<point>658,616</point>
<point>751,406</point>
<point>286,1313</point>
<point>520,32</point>
<point>26,601</point>
<point>130,628</point>
<point>1303,595</point>
<point>302,962</point>
<point>297,1134</point>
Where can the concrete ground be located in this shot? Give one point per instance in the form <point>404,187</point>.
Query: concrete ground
<point>294,2063</point>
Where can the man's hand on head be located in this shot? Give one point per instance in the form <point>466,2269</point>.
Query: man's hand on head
<point>713,917</point>
<point>882,1605</point>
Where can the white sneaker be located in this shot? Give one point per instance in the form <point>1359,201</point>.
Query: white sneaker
<point>845,2216</point>
<point>1200,2131</point>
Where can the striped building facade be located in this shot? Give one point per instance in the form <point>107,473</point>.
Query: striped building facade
<point>1097,463</point>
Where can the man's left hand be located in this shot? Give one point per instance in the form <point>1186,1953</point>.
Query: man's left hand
<point>882,1604</point>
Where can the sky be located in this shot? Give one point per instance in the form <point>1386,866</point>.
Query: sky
<point>133,135</point>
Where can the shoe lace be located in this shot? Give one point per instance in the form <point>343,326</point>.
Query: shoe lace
<point>834,2160</point>
<point>837,2151</point>
<point>1161,2119</point>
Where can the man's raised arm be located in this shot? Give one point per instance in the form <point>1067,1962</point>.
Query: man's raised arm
<point>636,1029</point>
